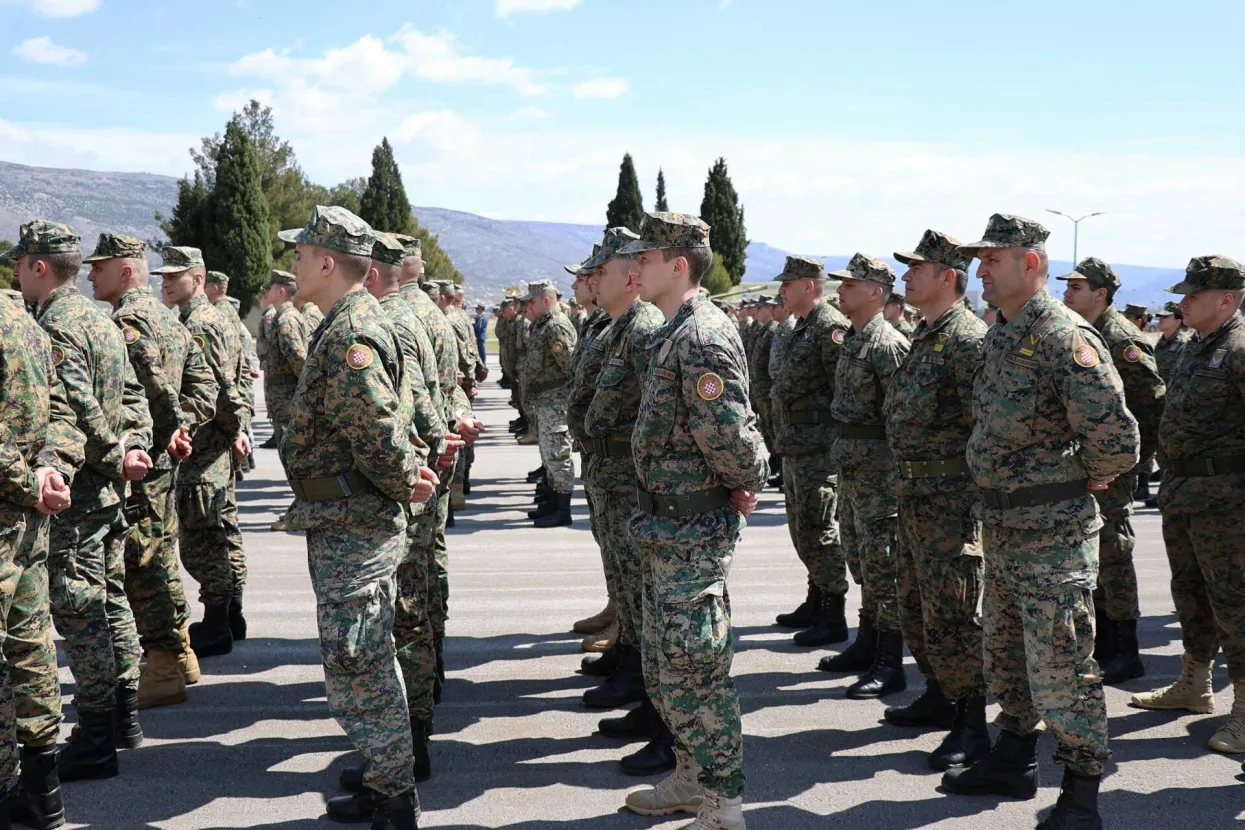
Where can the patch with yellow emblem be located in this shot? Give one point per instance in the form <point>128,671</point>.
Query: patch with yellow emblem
<point>359,356</point>
<point>1132,354</point>
<point>710,386</point>
<point>202,341</point>
<point>130,335</point>
<point>1085,356</point>
<point>839,336</point>
<point>58,356</point>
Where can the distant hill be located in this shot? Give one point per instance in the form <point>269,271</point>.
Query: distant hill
<point>493,253</point>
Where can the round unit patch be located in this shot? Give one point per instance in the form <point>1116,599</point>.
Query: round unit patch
<point>58,356</point>
<point>558,347</point>
<point>1085,356</point>
<point>1132,354</point>
<point>359,356</point>
<point>838,336</point>
<point>130,335</point>
<point>202,341</point>
<point>710,386</point>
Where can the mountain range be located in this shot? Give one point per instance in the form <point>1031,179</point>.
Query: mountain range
<point>492,253</point>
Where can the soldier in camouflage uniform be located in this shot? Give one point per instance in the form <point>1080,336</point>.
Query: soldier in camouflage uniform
<point>40,451</point>
<point>313,315</point>
<point>929,415</point>
<point>1050,428</point>
<point>1203,437</point>
<point>546,374</point>
<point>894,314</point>
<point>181,393</point>
<point>216,289</point>
<point>759,376</point>
<point>869,356</point>
<point>86,559</point>
<point>698,458</point>
<point>1138,315</point>
<point>1091,289</point>
<point>1174,336</point>
<point>471,366</point>
<point>207,509</point>
<point>262,340</point>
<point>802,392</point>
<point>355,469</point>
<point>784,322</point>
<point>288,331</point>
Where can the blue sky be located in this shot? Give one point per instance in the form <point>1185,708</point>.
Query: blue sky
<point>847,126</point>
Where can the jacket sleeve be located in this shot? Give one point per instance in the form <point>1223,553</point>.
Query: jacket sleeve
<point>1094,399</point>
<point>723,425</point>
<point>103,448</point>
<point>137,425</point>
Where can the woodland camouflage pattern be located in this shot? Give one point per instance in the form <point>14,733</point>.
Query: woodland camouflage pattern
<point>1004,231</point>
<point>548,365</point>
<point>936,247</point>
<point>177,259</point>
<point>865,267</point>
<point>659,231</point>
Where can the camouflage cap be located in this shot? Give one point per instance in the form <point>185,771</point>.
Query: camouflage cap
<point>411,245</point>
<point>431,288</point>
<point>1135,310</point>
<point>1171,309</point>
<point>179,258</point>
<point>217,278</point>
<point>864,267</point>
<point>387,248</point>
<point>802,268</point>
<point>278,277</point>
<point>1095,272</point>
<point>936,247</point>
<point>39,236</point>
<point>614,241</point>
<point>581,269</point>
<point>117,246</point>
<point>334,228</point>
<point>541,288</point>
<point>1004,231</point>
<point>1210,273</point>
<point>668,230</point>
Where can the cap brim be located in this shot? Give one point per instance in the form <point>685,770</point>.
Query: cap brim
<point>99,257</point>
<point>1072,275</point>
<point>1185,287</point>
<point>910,257</point>
<point>637,246</point>
<point>13,253</point>
<point>290,236</point>
<point>171,269</point>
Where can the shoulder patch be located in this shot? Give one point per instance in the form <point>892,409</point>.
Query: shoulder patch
<point>1086,356</point>
<point>130,335</point>
<point>58,355</point>
<point>838,336</point>
<point>1132,354</point>
<point>201,340</point>
<point>558,348</point>
<point>710,386</point>
<point>359,356</point>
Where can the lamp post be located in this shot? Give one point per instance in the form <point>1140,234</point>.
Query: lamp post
<point>1076,228</point>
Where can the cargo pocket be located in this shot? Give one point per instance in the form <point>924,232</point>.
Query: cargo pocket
<point>354,633</point>
<point>695,625</point>
<point>199,508</point>
<point>69,592</point>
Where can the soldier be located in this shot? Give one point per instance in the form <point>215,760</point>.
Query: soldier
<point>262,339</point>
<point>354,467</point>
<point>1050,428</point>
<point>1201,494</point>
<point>759,376</point>
<point>1091,289</point>
<point>207,508</point>
<point>216,289</point>
<point>785,323</point>
<point>86,559</point>
<point>1174,336</point>
<point>469,368</point>
<point>546,374</point>
<point>479,325</point>
<point>288,331</point>
<point>181,393</point>
<point>894,312</point>
<point>1138,315</point>
<point>802,393</point>
<point>929,415</point>
<point>311,312</point>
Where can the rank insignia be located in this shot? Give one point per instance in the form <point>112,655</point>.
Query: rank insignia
<point>1085,356</point>
<point>710,386</point>
<point>202,341</point>
<point>130,335</point>
<point>58,356</point>
<point>1216,359</point>
<point>664,352</point>
<point>941,342</point>
<point>1132,354</point>
<point>359,356</point>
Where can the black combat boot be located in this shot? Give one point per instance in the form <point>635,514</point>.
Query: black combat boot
<point>237,622</point>
<point>398,813</point>
<point>543,508</point>
<point>969,739</point>
<point>775,469</point>
<point>128,733</point>
<point>886,675</point>
<point>1143,488</point>
<point>1125,663</point>
<point>356,808</point>
<point>806,613</point>
<point>91,754</point>
<point>641,722</point>
<point>830,626</point>
<point>1077,807</point>
<point>420,730</point>
<point>212,636</point>
<point>560,516</point>
<point>270,444</point>
<point>602,665</point>
<point>1010,768</point>
<point>859,655</point>
<point>38,803</point>
<point>536,475</point>
<point>625,685</point>
<point>930,709</point>
<point>1104,634</point>
<point>654,757</point>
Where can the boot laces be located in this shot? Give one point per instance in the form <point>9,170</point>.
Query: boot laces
<point>682,779</point>
<point>1235,724</point>
<point>707,816</point>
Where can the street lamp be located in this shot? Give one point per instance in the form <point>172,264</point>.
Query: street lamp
<point>1076,228</point>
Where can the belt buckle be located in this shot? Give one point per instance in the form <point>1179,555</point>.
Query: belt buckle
<point>907,469</point>
<point>345,485</point>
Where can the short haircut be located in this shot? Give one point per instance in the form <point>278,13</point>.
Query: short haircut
<point>64,266</point>
<point>1111,294</point>
<point>699,260</point>
<point>961,282</point>
<point>389,273</point>
<point>353,266</point>
<point>894,299</point>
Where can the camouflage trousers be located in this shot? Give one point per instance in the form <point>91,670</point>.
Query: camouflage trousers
<point>686,644</point>
<point>939,580</point>
<point>555,440</point>
<point>86,591</point>
<point>30,693</point>
<point>811,488</point>
<point>1038,626</point>
<point>610,484</point>
<point>867,522</point>
<point>1117,576</point>
<point>278,400</point>
<point>210,539</point>
<point>153,579</point>
<point>352,574</point>
<point>764,407</point>
<point>607,563</point>
<point>413,633</point>
<point>439,575</point>
<point>1207,556</point>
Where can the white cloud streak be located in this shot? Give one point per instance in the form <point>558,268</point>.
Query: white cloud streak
<point>63,8</point>
<point>601,88</point>
<point>505,8</point>
<point>43,50</point>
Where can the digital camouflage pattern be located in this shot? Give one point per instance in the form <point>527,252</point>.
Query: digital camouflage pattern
<point>217,278</point>
<point>904,327</point>
<point>936,247</point>
<point>40,236</point>
<point>227,307</point>
<point>117,246</point>
<point>314,318</point>
<point>802,268</point>
<point>762,382</point>
<point>659,231</point>
<point>334,228</point>
<point>615,240</point>
<point>1004,231</point>
<point>694,431</point>
<point>586,362</point>
<point>546,374</point>
<point>1167,352</point>
<point>865,267</point>
<point>1097,274</point>
<point>288,335</point>
<point>1210,273</point>
<point>778,348</point>
<point>179,258</point>
<point>469,360</point>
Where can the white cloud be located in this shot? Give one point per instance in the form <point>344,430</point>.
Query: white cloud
<point>63,8</point>
<point>531,114</point>
<point>436,58</point>
<point>43,50</point>
<point>505,8</point>
<point>601,88</point>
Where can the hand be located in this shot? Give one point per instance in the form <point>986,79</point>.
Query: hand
<point>481,373</point>
<point>452,445</point>
<point>426,487</point>
<point>180,445</point>
<point>242,446</point>
<point>744,501</point>
<point>459,378</point>
<point>469,429</point>
<point>136,465</point>
<point>255,373</point>
<point>1100,484</point>
<point>471,393</point>
<point>53,491</point>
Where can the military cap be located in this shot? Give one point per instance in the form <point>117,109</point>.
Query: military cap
<point>387,248</point>
<point>334,228</point>
<point>1097,273</point>
<point>1135,310</point>
<point>1171,309</point>
<point>541,288</point>
<point>411,245</point>
<point>895,298</point>
<point>179,258</point>
<point>278,277</point>
<point>659,231</point>
<point>1004,231</point>
<point>864,267</point>
<point>802,268</point>
<point>39,236</point>
<point>432,288</point>
<point>217,278</point>
<point>117,246</point>
<point>614,241</point>
<point>936,247</point>
<point>581,269</point>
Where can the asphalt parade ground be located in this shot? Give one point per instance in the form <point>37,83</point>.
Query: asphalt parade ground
<point>514,747</point>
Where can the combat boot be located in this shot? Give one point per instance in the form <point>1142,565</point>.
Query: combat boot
<point>807,613</point>
<point>543,508</point>
<point>1104,636</point>
<point>421,729</point>
<point>680,792</point>
<point>1143,488</point>
<point>886,675</point>
<point>601,665</point>
<point>212,636</point>
<point>187,661</point>
<point>458,500</point>
<point>528,439</point>
<point>1230,738</point>
<point>398,813</point>
<point>1010,768</point>
<point>270,444</point>
<point>127,731</point>
<point>1125,663</point>
<point>718,813</point>
<point>91,754</point>
<point>625,685</point>
<point>859,655</point>
<point>1192,690</point>
<point>161,681</point>
<point>597,622</point>
<point>356,808</point>
<point>38,803</point>
<point>536,475</point>
<point>560,516</point>
<point>1077,807</point>
<point>656,756</point>
<point>969,739</point>
<point>641,722</point>
<point>930,709</point>
<point>830,626</point>
<point>237,622</point>
<point>775,469</point>
<point>602,641</point>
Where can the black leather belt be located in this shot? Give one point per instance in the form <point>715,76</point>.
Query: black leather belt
<point>333,487</point>
<point>1204,467</point>
<point>868,432</point>
<point>807,417</point>
<point>607,447</point>
<point>688,504</point>
<point>547,386</point>
<point>1031,496</point>
<point>934,469</point>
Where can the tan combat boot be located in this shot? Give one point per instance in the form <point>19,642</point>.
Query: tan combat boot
<point>1230,739</point>
<point>1191,691</point>
<point>602,640</point>
<point>680,792</point>
<point>718,813</point>
<point>160,681</point>
<point>187,660</point>
<point>597,622</point>
<point>528,439</point>
<point>458,501</point>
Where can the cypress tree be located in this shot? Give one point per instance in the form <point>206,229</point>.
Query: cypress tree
<point>721,209</point>
<point>383,204</point>
<point>188,224</point>
<point>661,206</point>
<point>237,239</point>
<point>627,208</point>
<point>716,280</point>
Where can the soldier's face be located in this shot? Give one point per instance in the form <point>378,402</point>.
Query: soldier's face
<point>177,288</point>
<point>921,285</point>
<point>1078,297</point>
<point>653,275</point>
<point>1001,271</point>
<point>310,272</point>
<point>855,295</point>
<point>1169,324</point>
<point>1201,310</point>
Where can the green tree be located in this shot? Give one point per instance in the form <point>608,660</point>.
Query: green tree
<point>721,209</point>
<point>188,223</point>
<point>717,279</point>
<point>347,194</point>
<point>7,280</point>
<point>239,240</point>
<point>661,206</point>
<point>383,204</point>
<point>627,208</point>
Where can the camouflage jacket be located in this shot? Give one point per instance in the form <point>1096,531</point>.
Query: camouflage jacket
<point>1205,418</point>
<point>759,379</point>
<point>804,384</point>
<point>181,387</point>
<point>929,405</point>
<point>264,337</point>
<point>1168,350</point>
<point>445,349</point>
<point>419,361</point>
<point>210,460</point>
<point>586,363</point>
<point>314,318</point>
<point>228,309</point>
<point>1144,389</point>
<point>287,347</point>
<point>100,385</point>
<point>549,351</point>
<point>615,402</point>
<point>348,413</point>
<point>37,426</point>
<point>904,327</point>
<point>868,360</point>
<point>464,335</point>
<point>1048,408</point>
<point>778,345</point>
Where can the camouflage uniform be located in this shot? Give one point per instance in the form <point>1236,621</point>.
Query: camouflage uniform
<point>228,307</point>
<point>313,316</point>
<point>1167,350</point>
<point>546,372</point>
<point>761,382</point>
<point>1049,411</point>
<point>695,440</point>
<point>288,331</point>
